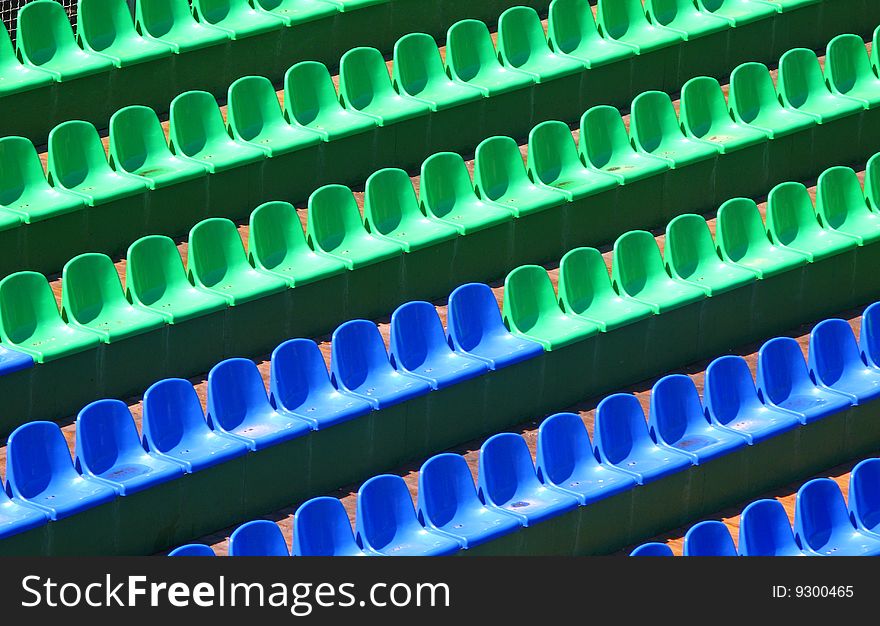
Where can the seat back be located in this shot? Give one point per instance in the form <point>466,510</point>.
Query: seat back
<point>838,196</point>
<point>652,119</point>
<point>446,488</point>
<point>105,434</point>
<point>252,107</point>
<point>153,269</point>
<point>652,549</point>
<point>618,17</point>
<point>308,92</point>
<point>563,446</point>
<point>799,77</point>
<point>333,216</point>
<point>193,549</point>
<point>709,538</point>
<point>603,135</point>
<point>869,335</point>
<point>357,350</point>
<point>571,25</point>
<point>158,17</point>
<point>864,496</point>
<point>236,394</point>
<point>764,530</point>
<point>172,415</point>
<point>275,233</point>
<point>498,167</point>
<point>751,90</point>
<point>790,213</point>
<point>417,62</point>
<point>846,61</point>
<point>416,334</point>
<point>215,249</point>
<point>101,23</point>
<point>36,458</point>
<point>833,350</point>
<point>321,528</point>
<point>689,245</point>
<point>135,136</point>
<point>637,260</point>
<point>444,181</point>
<point>729,389</point>
<point>469,49</point>
<point>26,305</point>
<point>384,509</point>
<point>505,467</point>
<point>20,169</point>
<point>739,229</point>
<point>75,152</point>
<point>583,280</point>
<point>520,35</point>
<point>44,32</point>
<point>297,370</point>
<point>620,428</point>
<point>472,315</point>
<point>195,121</point>
<point>363,78</point>
<point>675,408</point>
<point>781,369</point>
<point>552,150</point>
<point>702,105</point>
<point>389,200</point>
<point>258,538</point>
<point>819,513</point>
<point>528,296</point>
<point>90,284</point>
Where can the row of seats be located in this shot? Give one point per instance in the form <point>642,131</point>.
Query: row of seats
<point>825,524</point>
<point>215,168</point>
<point>736,421</point>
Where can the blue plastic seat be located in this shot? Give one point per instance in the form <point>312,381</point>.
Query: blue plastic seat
<point>321,528</point>
<point>16,518</point>
<point>419,347</point>
<point>784,382</point>
<point>475,328</point>
<point>732,402</point>
<point>300,385</point>
<point>677,418</point>
<point>386,521</point>
<point>109,449</point>
<point>508,481</point>
<point>258,538</point>
<point>175,428</point>
<point>764,530</point>
<point>14,361</point>
<point>709,538</point>
<point>360,365</point>
<point>864,496</point>
<point>836,364</point>
<point>193,549</point>
<point>40,473</point>
<point>239,407</point>
<point>869,335</point>
<point>622,440</point>
<point>566,460</point>
<point>822,525</point>
<point>448,503</point>
<point>652,549</point>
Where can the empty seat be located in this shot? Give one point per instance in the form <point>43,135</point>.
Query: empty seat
<point>419,347</point>
<point>822,525</point>
<point>656,131</point>
<point>236,17</point>
<point>45,40</point>
<point>193,549</point>
<point>239,407</point>
<point>476,328</point>
<point>472,59</point>
<point>764,530</point>
<point>864,496</point>
<point>532,310</point>
<point>175,428</point>
<point>848,70</point>
<point>448,503</point>
<point>836,364</point>
<point>16,518</point>
<point>841,205</point>
<point>685,18</point>
<point>360,365</point>
<point>652,549</point>
<point>321,528</point>
<point>30,320</point>
<point>732,402</point>
<point>218,263</point>
<point>566,460</point>
<point>109,449</point>
<point>803,87</point>
<point>387,523</point>
<point>335,229</point>
<point>622,440</point>
<point>16,77</point>
<point>40,473</point>
<point>14,361</point>
<point>92,299</point>
<point>709,538</point>
<point>738,12</point>
<point>754,101</point>
<point>605,146</point>
<point>523,45</point>
<point>507,481</point>
<point>626,21</point>
<point>869,335</point>
<point>298,11</point>
<point>105,27</point>
<point>784,381</point>
<point>171,22</point>
<point>572,31</point>
<point>678,420</point>
<point>704,115</point>
<point>258,538</point>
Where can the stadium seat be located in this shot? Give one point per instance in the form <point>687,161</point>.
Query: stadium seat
<point>822,525</point>
<point>803,87</point>
<point>709,538</point>
<point>471,58</point>
<point>236,17</point>
<point>848,70</point>
<point>572,31</point>
<point>522,45</point>
<point>864,505</point>
<point>17,519</point>
<point>170,22</point>
<point>193,549</point>
<point>17,77</point>
<point>298,11</point>
<point>764,530</point>
<point>321,528</point>
<point>836,364</point>
<point>656,131</point>
<point>841,206</point>
<point>258,538</point>
<point>606,147</point>
<point>106,28</point>
<point>652,549</point>
<point>625,21</point>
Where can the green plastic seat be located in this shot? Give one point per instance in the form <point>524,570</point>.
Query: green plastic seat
<point>255,117</point>
<point>572,31</point>
<point>92,299</point>
<point>872,183</point>
<point>237,18</point>
<point>738,12</point>
<point>419,72</point>
<point>685,18</point>
<point>691,256</point>
<point>335,229</point>
<point>171,22</point>
<point>447,194</point>
<point>298,11</point>
<point>365,86</point>
<point>656,131</point>
<point>156,280</point>
<point>848,70</point>
<point>802,87</point>
<point>605,147</point>
<point>218,263</point>
<point>500,176</point>
<point>704,115</point>
<point>78,163</point>
<point>523,45</point>
<point>24,189</point>
<point>30,320</point>
<point>277,245</point>
<point>531,310</point>
<point>585,290</point>
<point>391,211</point>
<point>310,100</point>
<point>792,222</point>
<point>742,239</point>
<point>754,101</point>
<point>472,59</point>
<point>138,146</point>
<point>553,161</point>
<point>841,205</point>
<point>45,40</point>
<point>625,21</point>
<point>106,28</point>
<point>16,77</point>
<point>639,272</point>
<point>197,132</point>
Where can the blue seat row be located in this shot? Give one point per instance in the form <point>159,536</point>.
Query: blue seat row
<point>824,523</point>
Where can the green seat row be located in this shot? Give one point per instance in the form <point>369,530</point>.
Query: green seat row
<point>214,168</point>
<point>168,47</point>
